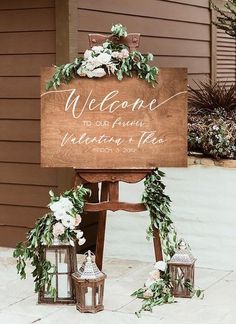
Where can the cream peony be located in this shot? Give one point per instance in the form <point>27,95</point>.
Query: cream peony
<point>87,54</point>
<point>97,73</point>
<point>58,229</point>
<point>97,49</point>
<point>103,58</point>
<point>69,222</point>
<point>124,53</point>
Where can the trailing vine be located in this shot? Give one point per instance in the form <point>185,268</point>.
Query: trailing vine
<point>157,290</point>
<point>61,224</point>
<point>109,58</point>
<point>158,205</point>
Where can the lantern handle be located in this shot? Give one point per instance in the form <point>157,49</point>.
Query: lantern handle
<point>89,255</point>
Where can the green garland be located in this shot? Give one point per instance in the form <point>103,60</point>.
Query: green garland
<point>42,234</point>
<point>121,63</point>
<point>158,204</point>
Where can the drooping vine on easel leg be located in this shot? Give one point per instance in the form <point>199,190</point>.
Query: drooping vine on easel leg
<point>157,290</point>
<point>158,205</point>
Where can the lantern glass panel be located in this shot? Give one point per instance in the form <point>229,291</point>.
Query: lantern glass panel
<point>63,258</point>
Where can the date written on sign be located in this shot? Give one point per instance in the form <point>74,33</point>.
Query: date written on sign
<point>107,124</point>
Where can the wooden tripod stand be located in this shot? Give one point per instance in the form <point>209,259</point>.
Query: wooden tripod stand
<point>109,200</point>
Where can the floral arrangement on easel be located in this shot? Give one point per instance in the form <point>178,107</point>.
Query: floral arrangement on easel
<point>109,58</point>
<point>58,226</point>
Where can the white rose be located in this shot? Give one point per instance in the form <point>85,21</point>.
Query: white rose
<point>82,241</point>
<point>97,73</point>
<point>79,234</point>
<point>68,222</point>
<point>87,54</point>
<point>97,49</point>
<point>160,265</point>
<point>103,58</point>
<point>91,64</point>
<point>62,204</point>
<point>60,214</point>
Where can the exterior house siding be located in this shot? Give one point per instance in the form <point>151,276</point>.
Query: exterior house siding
<point>27,38</point>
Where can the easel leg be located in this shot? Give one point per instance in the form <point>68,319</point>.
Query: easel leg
<point>101,227</point>
<point>157,245</point>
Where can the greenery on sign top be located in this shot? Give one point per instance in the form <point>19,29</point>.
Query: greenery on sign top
<point>59,225</point>
<point>212,120</point>
<point>226,19</point>
<point>109,58</point>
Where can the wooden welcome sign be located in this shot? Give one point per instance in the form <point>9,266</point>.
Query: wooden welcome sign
<point>110,124</point>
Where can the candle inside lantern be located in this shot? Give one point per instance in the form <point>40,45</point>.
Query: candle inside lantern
<point>88,297</point>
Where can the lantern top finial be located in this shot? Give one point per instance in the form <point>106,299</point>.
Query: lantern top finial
<point>182,255</point>
<point>89,269</point>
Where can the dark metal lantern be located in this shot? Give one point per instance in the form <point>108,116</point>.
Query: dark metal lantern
<point>63,257</point>
<point>89,285</point>
<point>181,269</point>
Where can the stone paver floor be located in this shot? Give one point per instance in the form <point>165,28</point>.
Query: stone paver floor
<point>18,303</point>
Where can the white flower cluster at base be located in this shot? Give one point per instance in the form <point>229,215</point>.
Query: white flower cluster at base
<point>63,212</point>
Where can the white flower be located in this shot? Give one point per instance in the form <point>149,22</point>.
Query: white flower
<point>149,282</point>
<point>105,45</point>
<point>87,54</point>
<point>155,274</point>
<point>90,64</point>
<point>148,293</point>
<point>103,58</point>
<point>62,204</point>
<point>97,49</point>
<point>97,73</point>
<point>82,241</point>
<point>68,222</point>
<point>79,234</point>
<point>115,54</point>
<point>58,229</point>
<point>60,214</point>
<point>124,53</point>
<point>160,265</point>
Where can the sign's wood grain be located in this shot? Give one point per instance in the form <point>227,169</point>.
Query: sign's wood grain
<point>111,124</point>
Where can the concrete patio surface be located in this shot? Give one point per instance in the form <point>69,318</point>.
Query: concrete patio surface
<point>18,303</point>
<point>205,215</point>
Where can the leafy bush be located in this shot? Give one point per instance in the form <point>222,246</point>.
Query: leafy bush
<point>212,120</point>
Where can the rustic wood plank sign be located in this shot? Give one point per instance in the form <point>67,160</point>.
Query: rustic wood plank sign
<point>111,124</point>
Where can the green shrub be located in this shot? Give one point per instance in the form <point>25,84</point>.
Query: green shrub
<point>212,120</point>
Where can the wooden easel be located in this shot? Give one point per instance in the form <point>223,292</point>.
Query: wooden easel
<point>109,200</point>
<point>109,179</point>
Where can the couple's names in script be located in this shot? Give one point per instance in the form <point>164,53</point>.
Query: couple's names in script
<point>110,103</point>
